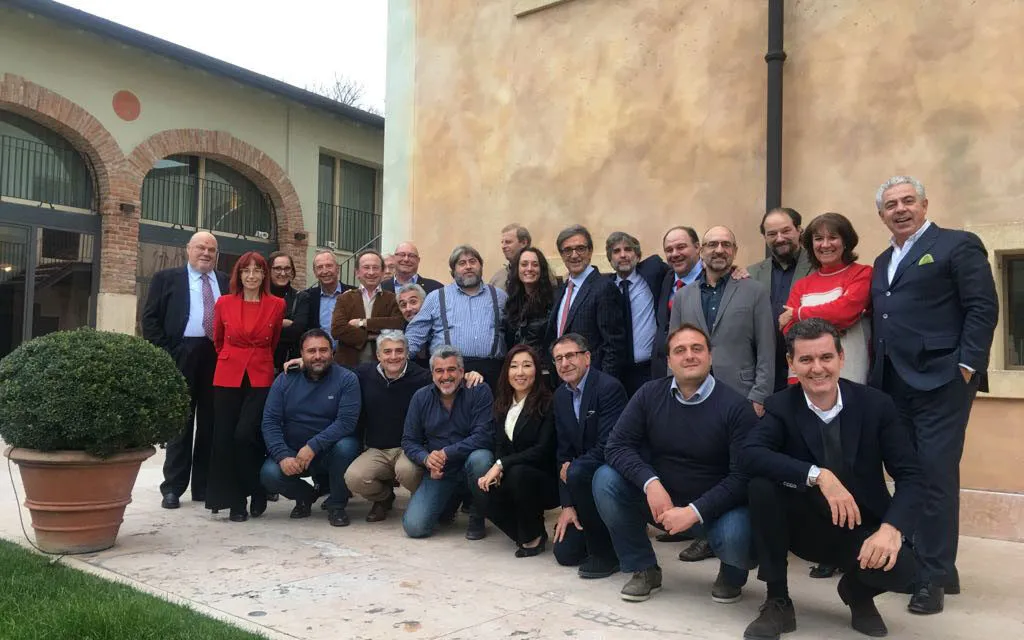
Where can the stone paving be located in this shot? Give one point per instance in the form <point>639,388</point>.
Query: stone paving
<point>305,579</point>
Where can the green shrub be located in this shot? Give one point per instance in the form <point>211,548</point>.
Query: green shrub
<point>93,391</point>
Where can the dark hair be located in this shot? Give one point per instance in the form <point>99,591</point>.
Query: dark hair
<point>621,237</point>
<point>838,224</point>
<point>463,250</point>
<point>369,252</point>
<point>793,214</point>
<point>247,258</point>
<point>521,304</point>
<point>576,338</point>
<point>315,332</point>
<point>538,400</point>
<point>574,230</point>
<point>690,231</point>
<point>812,329</point>
<point>281,254</point>
<point>686,326</point>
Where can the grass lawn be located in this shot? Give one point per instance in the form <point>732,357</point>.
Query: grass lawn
<point>43,602</point>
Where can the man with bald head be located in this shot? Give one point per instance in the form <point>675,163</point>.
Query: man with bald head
<point>407,267</point>
<point>178,318</point>
<point>737,314</point>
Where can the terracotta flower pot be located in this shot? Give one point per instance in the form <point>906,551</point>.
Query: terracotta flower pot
<point>77,501</point>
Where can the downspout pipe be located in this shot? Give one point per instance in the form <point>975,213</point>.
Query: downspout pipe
<point>775,58</point>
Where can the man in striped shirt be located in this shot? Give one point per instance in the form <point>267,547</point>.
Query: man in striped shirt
<point>466,314</point>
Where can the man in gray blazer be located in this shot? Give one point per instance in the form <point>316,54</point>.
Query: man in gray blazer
<point>737,314</point>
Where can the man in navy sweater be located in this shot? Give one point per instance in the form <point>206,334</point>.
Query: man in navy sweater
<point>309,426</point>
<point>448,432</point>
<point>673,458</point>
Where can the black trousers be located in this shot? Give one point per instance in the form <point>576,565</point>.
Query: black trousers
<point>784,520</point>
<point>594,540</point>
<point>517,505</point>
<point>238,450</point>
<point>635,375</point>
<point>938,427</point>
<point>187,456</point>
<point>489,368</point>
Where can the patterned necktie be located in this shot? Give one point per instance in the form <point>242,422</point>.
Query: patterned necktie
<point>627,311</point>
<point>679,285</point>
<point>207,306</point>
<point>565,309</point>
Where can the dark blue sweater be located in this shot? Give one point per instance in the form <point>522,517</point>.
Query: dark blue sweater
<point>693,449</point>
<point>301,411</point>
<point>386,403</point>
<point>429,426</point>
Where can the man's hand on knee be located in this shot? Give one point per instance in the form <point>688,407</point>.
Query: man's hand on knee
<point>290,467</point>
<point>881,549</point>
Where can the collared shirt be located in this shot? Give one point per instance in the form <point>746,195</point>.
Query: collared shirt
<point>327,303</point>
<point>368,299</point>
<point>641,303</point>
<point>699,396</point>
<point>380,370</point>
<point>711,297</point>
<point>577,282</point>
<point>577,393</point>
<point>782,281</point>
<point>827,417</point>
<point>466,427</point>
<point>691,275</point>
<point>513,416</point>
<point>398,285</point>
<point>898,252</point>
<point>194,325</point>
<point>470,322</point>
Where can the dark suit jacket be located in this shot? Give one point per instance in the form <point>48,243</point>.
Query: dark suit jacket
<point>385,314</point>
<point>313,303</point>
<point>659,360</point>
<point>427,284</point>
<point>245,350</point>
<point>653,270</point>
<point>762,271</point>
<point>940,310</point>
<point>532,443</point>
<point>596,314</point>
<point>295,309</point>
<point>167,307</point>
<point>787,441</point>
<point>582,441</point>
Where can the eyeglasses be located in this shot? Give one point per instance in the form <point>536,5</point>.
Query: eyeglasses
<point>281,269</point>
<point>252,271</point>
<point>403,255</point>
<point>578,250</point>
<point>572,355</point>
<point>714,244</point>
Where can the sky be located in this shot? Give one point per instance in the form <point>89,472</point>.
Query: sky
<point>301,42</point>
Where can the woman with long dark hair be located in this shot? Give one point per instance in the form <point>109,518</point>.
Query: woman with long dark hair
<point>522,483</point>
<point>246,330</point>
<point>530,299</point>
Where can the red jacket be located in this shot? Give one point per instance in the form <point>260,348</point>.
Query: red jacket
<point>240,352</point>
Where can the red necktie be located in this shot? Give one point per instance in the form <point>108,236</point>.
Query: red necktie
<point>565,309</point>
<point>679,285</point>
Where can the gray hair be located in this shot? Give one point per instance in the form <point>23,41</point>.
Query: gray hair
<point>897,180</point>
<point>412,286</point>
<point>392,335</point>
<point>320,252</point>
<point>445,351</point>
<point>461,250</point>
<point>621,237</point>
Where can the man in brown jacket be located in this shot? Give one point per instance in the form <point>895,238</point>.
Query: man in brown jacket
<point>362,313</point>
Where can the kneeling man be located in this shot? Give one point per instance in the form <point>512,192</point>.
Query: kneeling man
<point>818,489</point>
<point>673,458</point>
<point>309,426</point>
<point>448,431</point>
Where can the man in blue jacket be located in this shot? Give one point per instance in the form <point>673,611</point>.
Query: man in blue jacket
<point>448,432</point>
<point>309,426</point>
<point>673,458</point>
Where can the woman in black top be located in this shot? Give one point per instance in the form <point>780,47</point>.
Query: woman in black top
<point>282,271</point>
<point>522,483</point>
<point>530,299</point>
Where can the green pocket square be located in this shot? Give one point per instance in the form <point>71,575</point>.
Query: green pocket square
<point>925,259</point>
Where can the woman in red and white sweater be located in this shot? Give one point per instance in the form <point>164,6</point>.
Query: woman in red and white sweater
<point>839,290</point>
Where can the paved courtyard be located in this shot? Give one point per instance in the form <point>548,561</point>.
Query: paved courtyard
<point>305,579</point>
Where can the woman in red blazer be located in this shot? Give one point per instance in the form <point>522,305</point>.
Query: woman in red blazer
<point>246,328</point>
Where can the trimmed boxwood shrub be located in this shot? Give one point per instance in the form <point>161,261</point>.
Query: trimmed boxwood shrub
<point>93,391</point>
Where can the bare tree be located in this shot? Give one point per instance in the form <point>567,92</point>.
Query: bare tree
<point>345,90</point>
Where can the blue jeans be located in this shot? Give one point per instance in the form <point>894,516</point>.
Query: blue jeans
<point>432,496</point>
<point>333,463</point>
<point>624,509</point>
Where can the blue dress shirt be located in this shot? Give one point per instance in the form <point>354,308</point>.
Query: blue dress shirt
<point>641,304</point>
<point>194,326</point>
<point>470,322</point>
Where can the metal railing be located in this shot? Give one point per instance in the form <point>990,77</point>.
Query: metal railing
<point>347,267</point>
<point>346,229</point>
<point>177,200</point>
<point>40,172</point>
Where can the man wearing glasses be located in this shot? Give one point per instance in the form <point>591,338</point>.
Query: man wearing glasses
<point>588,304</point>
<point>407,266</point>
<point>586,408</point>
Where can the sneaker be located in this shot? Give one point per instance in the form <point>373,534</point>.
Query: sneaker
<point>777,617</point>
<point>642,585</point>
<point>595,567</point>
<point>476,530</point>
<point>337,517</point>
<point>724,593</point>
<point>301,510</point>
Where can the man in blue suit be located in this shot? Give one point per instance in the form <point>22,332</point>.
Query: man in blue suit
<point>639,283</point>
<point>935,310</point>
<point>586,408</point>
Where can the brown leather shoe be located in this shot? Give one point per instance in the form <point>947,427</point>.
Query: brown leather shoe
<point>379,510</point>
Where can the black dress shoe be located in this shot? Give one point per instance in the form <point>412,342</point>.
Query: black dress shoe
<point>238,515</point>
<point>529,552</point>
<point>673,537</point>
<point>927,599</point>
<point>822,570</point>
<point>776,617</point>
<point>258,505</point>
<point>273,497</point>
<point>594,568</point>
<point>301,510</point>
<point>476,529</point>
<point>699,550</point>
<point>170,501</point>
<point>864,616</point>
<point>337,518</point>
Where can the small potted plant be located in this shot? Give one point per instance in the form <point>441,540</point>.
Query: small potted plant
<point>81,410</point>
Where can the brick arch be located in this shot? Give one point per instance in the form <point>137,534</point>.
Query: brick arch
<point>255,165</point>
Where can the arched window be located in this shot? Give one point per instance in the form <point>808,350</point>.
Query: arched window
<point>38,165</point>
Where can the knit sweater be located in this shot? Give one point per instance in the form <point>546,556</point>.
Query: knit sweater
<point>385,403</point>
<point>840,294</point>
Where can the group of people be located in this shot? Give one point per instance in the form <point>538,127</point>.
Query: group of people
<point>756,410</point>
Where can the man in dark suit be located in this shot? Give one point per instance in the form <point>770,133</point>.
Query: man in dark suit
<point>322,297</point>
<point>818,488</point>
<point>178,318</point>
<point>586,408</point>
<point>682,253</point>
<point>638,282</point>
<point>588,304</point>
<point>934,311</point>
<point>407,266</point>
